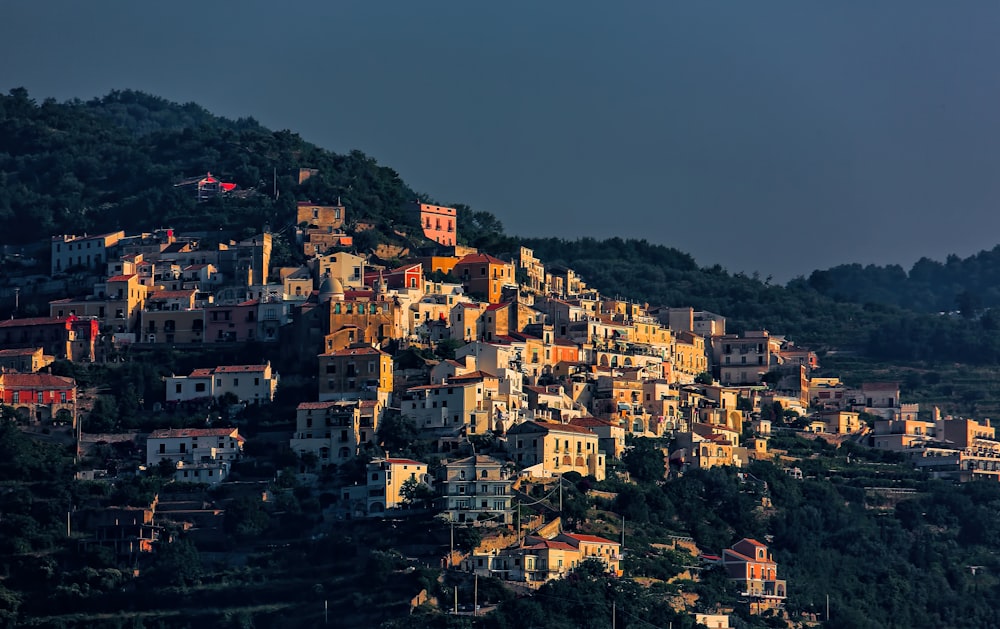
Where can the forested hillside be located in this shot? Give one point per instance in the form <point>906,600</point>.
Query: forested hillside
<point>112,162</point>
<point>964,285</point>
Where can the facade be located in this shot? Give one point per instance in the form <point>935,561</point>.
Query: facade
<point>333,430</point>
<point>559,448</point>
<point>38,397</point>
<point>27,360</point>
<point>750,565</point>
<point>745,359</point>
<point>484,275</point>
<point>385,481</point>
<point>66,337</point>
<point>89,252</point>
<point>539,559</point>
<point>249,383</point>
<point>355,373</point>
<point>198,455</point>
<point>477,489</point>
<point>438,223</point>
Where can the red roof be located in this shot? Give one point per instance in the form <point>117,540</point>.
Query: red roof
<point>404,462</point>
<point>495,307</point>
<point>121,278</point>
<point>548,543</point>
<point>14,323</point>
<point>591,539</point>
<point>167,433</point>
<point>355,351</point>
<point>36,381</point>
<point>240,368</point>
<point>324,405</point>
<point>588,422</point>
<point>479,258</point>
<point>19,352</point>
<point>473,375</point>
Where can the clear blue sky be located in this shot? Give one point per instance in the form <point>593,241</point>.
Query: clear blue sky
<point>770,136</point>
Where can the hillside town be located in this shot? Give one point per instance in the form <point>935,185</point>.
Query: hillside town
<point>517,379</point>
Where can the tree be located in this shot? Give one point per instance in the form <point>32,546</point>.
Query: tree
<point>416,493</point>
<point>704,377</point>
<point>644,460</point>
<point>246,518</point>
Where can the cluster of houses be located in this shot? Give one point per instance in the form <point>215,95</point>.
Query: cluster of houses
<point>551,370</point>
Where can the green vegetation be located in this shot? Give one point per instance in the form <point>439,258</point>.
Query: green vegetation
<point>883,559</point>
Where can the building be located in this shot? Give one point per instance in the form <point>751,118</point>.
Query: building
<point>841,422</point>
<point>386,478</point>
<point>540,559</point>
<point>26,360</point>
<point>477,489</point>
<point>39,397</point>
<point>199,455</point>
<point>750,565</point>
<point>249,383</point>
<point>745,359</point>
<point>438,223</point>
<point>484,275</point>
<point>355,373</point>
<point>65,337</point>
<point>205,188</point>
<point>558,448</point>
<point>89,252</point>
<point>334,430</point>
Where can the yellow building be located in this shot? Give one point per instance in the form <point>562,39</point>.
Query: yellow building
<point>386,478</point>
<point>557,448</point>
<point>841,422</point>
<point>355,373</point>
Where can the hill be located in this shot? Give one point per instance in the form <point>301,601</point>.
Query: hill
<point>112,162</point>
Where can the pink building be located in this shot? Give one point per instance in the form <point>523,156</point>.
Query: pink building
<point>438,223</point>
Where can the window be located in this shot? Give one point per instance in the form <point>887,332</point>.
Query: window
<point>178,388</point>
<point>17,397</point>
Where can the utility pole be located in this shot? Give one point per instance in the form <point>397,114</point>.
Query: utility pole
<point>326,611</point>
<point>451,555</point>
<point>475,595</point>
<point>456,599</point>
<point>614,608</point>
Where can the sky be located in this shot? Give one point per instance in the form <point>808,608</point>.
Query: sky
<point>777,137</point>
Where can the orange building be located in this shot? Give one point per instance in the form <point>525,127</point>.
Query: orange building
<point>484,275</point>
<point>438,223</point>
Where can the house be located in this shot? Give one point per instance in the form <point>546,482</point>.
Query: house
<point>559,448</point>
<point>386,477</point>
<point>611,436</point>
<point>595,547</point>
<point>25,360</point>
<point>539,559</point>
<point>116,303</point>
<point>90,252</point>
<point>319,227</point>
<point>64,337</point>
<point>199,455</point>
<point>484,275</point>
<point>438,223</point>
<point>126,531</point>
<point>749,564</point>
<point>841,422</point>
<point>477,489</point>
<point>205,188</point>
<point>249,383</point>
<point>448,409</point>
<point>39,397</point>
<point>745,359</point>
<point>234,323</point>
<point>348,268</point>
<point>333,431</point>
<point>355,373</point>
